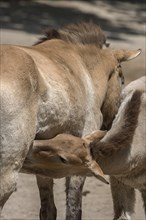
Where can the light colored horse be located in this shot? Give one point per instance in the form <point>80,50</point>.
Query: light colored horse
<point>54,87</point>
<point>121,153</point>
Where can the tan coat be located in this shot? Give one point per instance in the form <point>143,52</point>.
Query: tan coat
<point>51,88</point>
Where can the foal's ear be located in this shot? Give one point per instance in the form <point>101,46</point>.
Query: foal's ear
<point>92,165</point>
<point>96,171</point>
<point>125,55</point>
<point>95,135</point>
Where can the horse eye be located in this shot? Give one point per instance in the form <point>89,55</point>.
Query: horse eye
<point>63,159</point>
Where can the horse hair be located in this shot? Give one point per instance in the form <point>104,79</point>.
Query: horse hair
<point>123,138</point>
<point>79,33</point>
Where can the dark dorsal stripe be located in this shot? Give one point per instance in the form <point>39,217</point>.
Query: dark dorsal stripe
<point>83,33</point>
<point>48,35</point>
<point>123,138</point>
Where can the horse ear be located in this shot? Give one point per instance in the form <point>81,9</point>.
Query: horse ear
<point>96,171</point>
<point>126,55</point>
<point>95,135</point>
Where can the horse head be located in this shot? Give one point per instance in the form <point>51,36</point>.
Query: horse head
<point>116,80</point>
<point>64,155</point>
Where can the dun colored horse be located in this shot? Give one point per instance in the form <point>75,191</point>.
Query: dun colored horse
<point>121,153</point>
<point>57,86</point>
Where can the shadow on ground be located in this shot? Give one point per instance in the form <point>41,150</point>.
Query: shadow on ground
<point>35,16</point>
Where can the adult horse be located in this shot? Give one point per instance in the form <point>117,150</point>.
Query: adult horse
<point>53,87</point>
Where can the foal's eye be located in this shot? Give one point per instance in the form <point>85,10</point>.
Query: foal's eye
<point>63,159</point>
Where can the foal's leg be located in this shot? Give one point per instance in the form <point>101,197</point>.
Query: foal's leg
<point>143,194</point>
<point>74,186</point>
<point>123,199</point>
<point>48,209</point>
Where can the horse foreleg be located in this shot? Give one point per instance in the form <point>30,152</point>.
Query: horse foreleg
<point>143,194</point>
<point>123,199</point>
<point>48,210</point>
<point>74,186</point>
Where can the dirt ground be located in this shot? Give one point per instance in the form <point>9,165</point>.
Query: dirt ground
<point>22,23</point>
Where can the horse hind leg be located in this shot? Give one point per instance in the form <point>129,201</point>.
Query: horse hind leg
<point>13,149</point>
<point>9,167</point>
<point>7,186</point>
<point>12,156</point>
<point>16,137</point>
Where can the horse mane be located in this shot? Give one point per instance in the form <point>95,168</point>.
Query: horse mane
<point>48,35</point>
<point>123,138</point>
<point>78,33</point>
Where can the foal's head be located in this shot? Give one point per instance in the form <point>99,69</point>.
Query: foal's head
<point>67,155</point>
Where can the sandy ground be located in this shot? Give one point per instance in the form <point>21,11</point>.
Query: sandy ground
<point>97,203</point>
<point>22,22</point>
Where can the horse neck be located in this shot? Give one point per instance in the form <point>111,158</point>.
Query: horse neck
<point>97,64</point>
<point>92,58</point>
<point>112,153</point>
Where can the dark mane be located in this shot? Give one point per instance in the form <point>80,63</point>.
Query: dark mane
<point>79,33</point>
<point>48,35</point>
<point>123,138</point>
